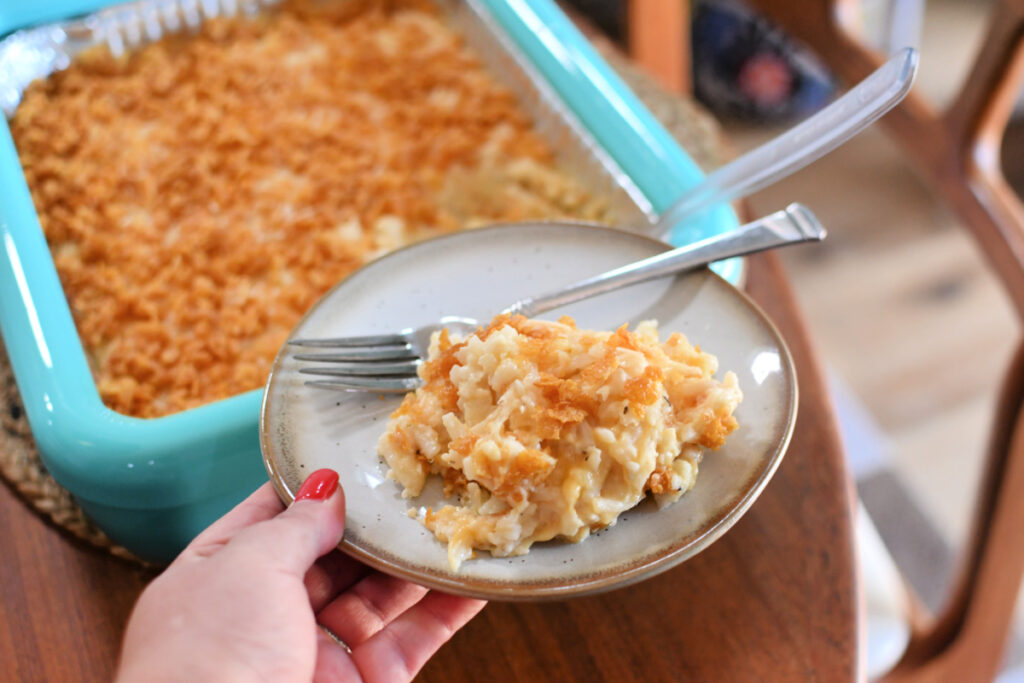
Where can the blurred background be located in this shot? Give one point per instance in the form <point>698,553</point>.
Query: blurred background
<point>910,320</point>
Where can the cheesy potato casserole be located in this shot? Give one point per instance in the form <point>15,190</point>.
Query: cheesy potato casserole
<point>199,194</point>
<point>543,431</point>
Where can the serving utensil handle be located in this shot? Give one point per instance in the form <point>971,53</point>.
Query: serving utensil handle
<point>806,142</point>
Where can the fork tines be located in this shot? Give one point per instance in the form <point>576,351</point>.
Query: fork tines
<point>395,339</point>
<point>343,369</point>
<point>385,363</point>
<point>382,385</point>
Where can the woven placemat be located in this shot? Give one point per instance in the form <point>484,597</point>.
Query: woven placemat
<point>21,465</point>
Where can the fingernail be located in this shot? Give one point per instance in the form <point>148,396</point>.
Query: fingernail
<point>318,486</point>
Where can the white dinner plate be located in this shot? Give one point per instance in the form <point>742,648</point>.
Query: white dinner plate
<point>475,274</point>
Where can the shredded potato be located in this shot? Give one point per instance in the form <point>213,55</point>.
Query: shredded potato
<point>200,194</point>
<point>547,431</point>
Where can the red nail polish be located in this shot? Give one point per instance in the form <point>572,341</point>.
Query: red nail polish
<point>318,486</point>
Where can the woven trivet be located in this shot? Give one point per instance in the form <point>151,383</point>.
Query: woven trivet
<point>24,470</point>
<point>20,464</point>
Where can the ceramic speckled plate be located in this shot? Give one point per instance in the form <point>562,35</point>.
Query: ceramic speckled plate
<point>474,274</point>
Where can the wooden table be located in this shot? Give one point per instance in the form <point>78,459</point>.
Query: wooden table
<point>774,599</point>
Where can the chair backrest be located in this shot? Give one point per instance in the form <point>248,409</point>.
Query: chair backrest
<point>958,153</point>
<point>659,39</point>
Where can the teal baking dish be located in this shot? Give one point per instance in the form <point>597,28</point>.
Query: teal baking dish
<point>152,484</point>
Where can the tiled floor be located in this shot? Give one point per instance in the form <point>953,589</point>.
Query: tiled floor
<point>902,304</point>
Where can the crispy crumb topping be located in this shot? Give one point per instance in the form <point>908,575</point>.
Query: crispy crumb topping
<point>543,430</point>
<point>199,195</point>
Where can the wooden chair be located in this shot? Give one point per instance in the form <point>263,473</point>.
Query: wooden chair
<point>957,151</point>
<point>659,40</point>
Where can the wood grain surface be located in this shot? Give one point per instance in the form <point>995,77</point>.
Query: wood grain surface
<point>774,599</point>
<point>64,603</point>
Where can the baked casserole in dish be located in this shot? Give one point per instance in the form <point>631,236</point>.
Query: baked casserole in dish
<point>182,180</point>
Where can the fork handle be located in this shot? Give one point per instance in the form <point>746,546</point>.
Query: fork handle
<point>793,225</point>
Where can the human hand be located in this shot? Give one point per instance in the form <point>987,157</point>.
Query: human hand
<point>246,599</point>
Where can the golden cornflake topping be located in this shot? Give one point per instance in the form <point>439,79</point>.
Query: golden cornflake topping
<point>199,195</point>
<point>547,431</point>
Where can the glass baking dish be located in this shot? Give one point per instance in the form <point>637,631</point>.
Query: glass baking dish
<point>152,484</point>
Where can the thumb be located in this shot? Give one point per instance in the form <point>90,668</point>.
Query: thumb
<point>312,526</point>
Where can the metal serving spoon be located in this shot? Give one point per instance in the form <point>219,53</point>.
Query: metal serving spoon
<point>799,146</point>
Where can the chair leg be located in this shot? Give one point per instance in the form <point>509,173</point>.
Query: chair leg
<point>967,640</point>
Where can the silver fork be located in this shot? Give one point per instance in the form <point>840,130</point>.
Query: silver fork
<point>387,363</point>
